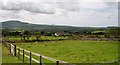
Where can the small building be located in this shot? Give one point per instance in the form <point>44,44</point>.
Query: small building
<point>56,34</point>
<point>61,34</point>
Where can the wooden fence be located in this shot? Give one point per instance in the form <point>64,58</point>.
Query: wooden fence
<point>16,51</point>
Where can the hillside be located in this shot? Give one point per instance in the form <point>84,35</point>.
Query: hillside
<point>14,24</point>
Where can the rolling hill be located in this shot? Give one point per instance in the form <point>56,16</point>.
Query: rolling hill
<point>15,24</point>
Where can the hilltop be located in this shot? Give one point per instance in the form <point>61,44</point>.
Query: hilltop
<point>19,25</point>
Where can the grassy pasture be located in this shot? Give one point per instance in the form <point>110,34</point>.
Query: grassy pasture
<point>75,51</point>
<point>7,58</point>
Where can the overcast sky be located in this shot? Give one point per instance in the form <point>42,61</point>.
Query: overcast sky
<point>61,12</point>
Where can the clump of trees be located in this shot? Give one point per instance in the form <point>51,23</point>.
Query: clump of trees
<point>25,35</point>
<point>113,32</point>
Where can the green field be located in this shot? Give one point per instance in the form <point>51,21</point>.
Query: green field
<point>74,51</point>
<point>7,58</point>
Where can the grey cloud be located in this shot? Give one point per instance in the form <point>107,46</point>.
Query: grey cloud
<point>17,10</point>
<point>29,6</point>
<point>41,7</point>
<point>11,6</point>
<point>112,4</point>
<point>60,8</point>
<point>9,14</point>
<point>69,6</point>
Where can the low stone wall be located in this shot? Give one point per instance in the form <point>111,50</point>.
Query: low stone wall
<point>96,39</point>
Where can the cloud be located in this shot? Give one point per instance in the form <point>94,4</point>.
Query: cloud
<point>54,7</point>
<point>81,13</point>
<point>31,7</point>
<point>63,0</point>
<point>8,14</point>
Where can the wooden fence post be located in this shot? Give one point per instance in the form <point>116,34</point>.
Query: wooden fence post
<point>18,54</point>
<point>10,48</point>
<point>57,62</point>
<point>30,58</point>
<point>40,60</point>
<point>14,50</point>
<point>23,55</point>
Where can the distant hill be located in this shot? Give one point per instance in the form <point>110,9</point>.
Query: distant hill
<point>15,24</point>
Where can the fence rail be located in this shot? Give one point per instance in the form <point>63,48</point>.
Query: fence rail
<point>15,49</point>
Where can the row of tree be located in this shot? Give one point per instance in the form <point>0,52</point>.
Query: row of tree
<point>113,32</point>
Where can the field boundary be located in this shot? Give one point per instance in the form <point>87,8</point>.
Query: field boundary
<point>45,57</point>
<point>15,49</point>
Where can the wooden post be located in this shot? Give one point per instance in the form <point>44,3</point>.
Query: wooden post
<point>14,50</point>
<point>18,54</point>
<point>57,62</point>
<point>30,58</point>
<point>23,55</point>
<point>40,60</point>
<point>10,48</point>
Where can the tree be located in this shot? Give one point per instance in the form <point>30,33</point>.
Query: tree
<point>113,32</point>
<point>42,32</point>
<point>37,36</point>
<point>26,34</point>
<point>5,32</point>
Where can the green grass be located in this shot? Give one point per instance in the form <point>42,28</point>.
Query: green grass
<point>7,58</point>
<point>76,51</point>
